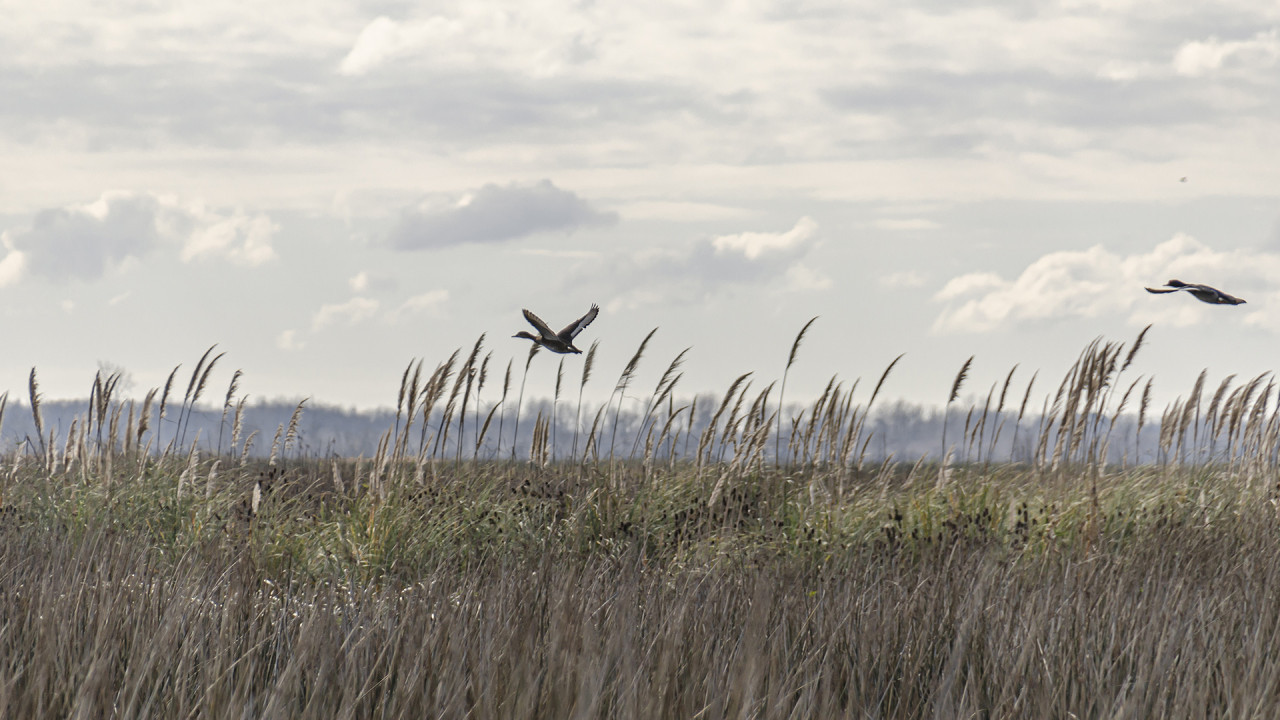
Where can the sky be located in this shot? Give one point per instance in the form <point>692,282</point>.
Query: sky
<point>328,190</point>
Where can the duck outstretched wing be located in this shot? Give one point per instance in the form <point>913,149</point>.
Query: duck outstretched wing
<point>537,324</point>
<point>577,326</point>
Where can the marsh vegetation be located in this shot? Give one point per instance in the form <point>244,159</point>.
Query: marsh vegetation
<point>759,564</point>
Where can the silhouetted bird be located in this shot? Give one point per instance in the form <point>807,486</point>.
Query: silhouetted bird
<point>1203,293</point>
<point>561,342</point>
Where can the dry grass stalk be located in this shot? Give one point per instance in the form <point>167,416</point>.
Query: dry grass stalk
<point>586,375</point>
<point>164,404</point>
<point>955,393</point>
<point>708,434</point>
<point>624,382</point>
<point>33,389</point>
<point>782,390</point>
<point>665,384</point>
<point>227,402</point>
<point>515,437</point>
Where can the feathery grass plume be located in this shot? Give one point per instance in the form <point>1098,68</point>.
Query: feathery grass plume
<point>1251,430</point>
<point>189,471</point>
<point>555,404</point>
<point>672,414</point>
<point>1211,417</point>
<point>69,447</point>
<point>1022,409</point>
<point>782,390</point>
<point>1190,410</point>
<point>248,445</point>
<point>980,428</point>
<point>481,378</point>
<point>113,428</point>
<point>160,416</point>
<point>404,388</point>
<point>655,399</point>
<point>586,375</point>
<point>236,422</point>
<point>693,413</point>
<point>1081,376</point>
<point>515,437</point>
<point>708,434</point>
<point>33,389</point>
<point>955,393</point>
<point>407,405</point>
<point>275,446</point>
<point>995,437</point>
<point>469,374</point>
<point>624,382</point>
<point>828,429</point>
<point>731,424</point>
<point>194,390</point>
<point>1169,427</point>
<point>815,419</point>
<point>1115,417</point>
<point>1133,352</point>
<point>4,403</point>
<point>451,405</point>
<point>849,442</point>
<point>506,387</point>
<point>144,417</point>
<point>1238,410</point>
<point>590,446</point>
<point>1224,413</point>
<point>431,395</point>
<point>94,391</point>
<point>226,405</point>
<point>1142,417</point>
<point>484,429</point>
<point>292,433</point>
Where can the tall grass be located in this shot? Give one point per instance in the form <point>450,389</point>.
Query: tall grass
<point>1047,581</point>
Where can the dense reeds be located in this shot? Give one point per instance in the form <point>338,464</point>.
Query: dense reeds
<point>759,569</point>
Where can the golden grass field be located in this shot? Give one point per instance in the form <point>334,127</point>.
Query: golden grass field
<point>757,567</point>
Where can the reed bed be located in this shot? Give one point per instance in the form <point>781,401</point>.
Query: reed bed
<point>756,563</point>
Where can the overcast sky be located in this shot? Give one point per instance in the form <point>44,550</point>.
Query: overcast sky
<point>330,189</point>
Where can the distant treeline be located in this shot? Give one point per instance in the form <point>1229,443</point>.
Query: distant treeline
<point>905,431</point>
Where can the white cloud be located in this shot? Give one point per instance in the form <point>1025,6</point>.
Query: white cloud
<point>754,245</point>
<point>1098,283</point>
<point>1201,57</point>
<point>906,224</point>
<point>357,309</point>
<point>760,260</point>
<point>289,340</point>
<point>359,282</point>
<point>85,241</point>
<point>237,237</point>
<point>494,214</point>
<point>904,279</point>
<point>428,303</point>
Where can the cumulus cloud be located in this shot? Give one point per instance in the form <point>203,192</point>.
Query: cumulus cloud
<point>82,242</point>
<point>904,279</point>
<point>761,259</point>
<point>240,238</point>
<point>906,224</point>
<point>1099,283</point>
<point>428,303</point>
<point>493,214</point>
<point>289,340</point>
<point>355,310</point>
<point>1202,57</point>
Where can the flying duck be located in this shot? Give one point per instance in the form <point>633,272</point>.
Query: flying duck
<point>561,342</point>
<point>1203,293</point>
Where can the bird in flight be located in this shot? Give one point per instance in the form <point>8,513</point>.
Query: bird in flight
<point>1203,293</point>
<point>561,342</point>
